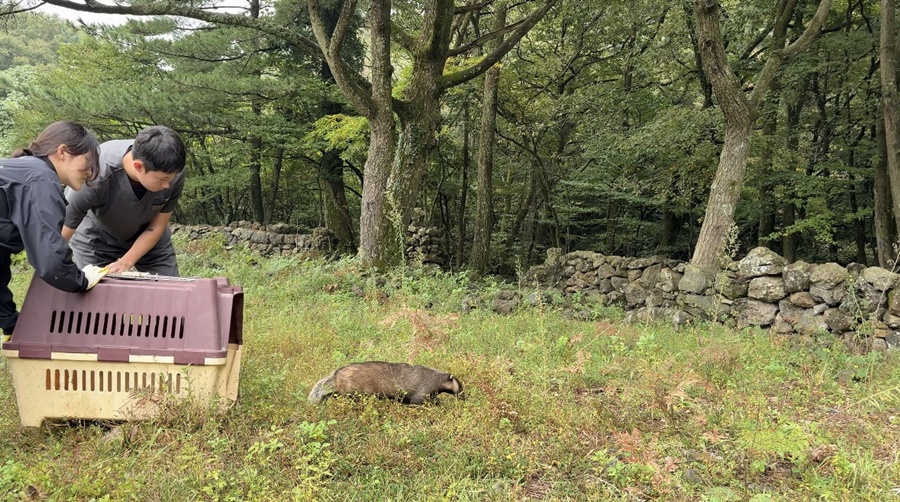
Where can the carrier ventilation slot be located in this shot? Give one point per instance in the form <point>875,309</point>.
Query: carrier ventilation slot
<point>112,381</point>
<point>105,323</point>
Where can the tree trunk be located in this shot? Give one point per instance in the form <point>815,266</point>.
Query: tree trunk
<point>770,127</point>
<point>419,118</point>
<point>725,191</point>
<point>889,103</point>
<point>612,224</point>
<point>484,206</point>
<point>256,198</point>
<point>790,240</point>
<point>277,163</point>
<point>337,216</point>
<point>739,113</point>
<point>859,224</point>
<point>767,204</point>
<point>481,243</point>
<point>698,62</point>
<point>671,223</point>
<point>374,225</point>
<point>724,195</point>
<point>525,203</point>
<point>529,224</point>
<point>331,166</point>
<point>884,221</point>
<point>464,192</point>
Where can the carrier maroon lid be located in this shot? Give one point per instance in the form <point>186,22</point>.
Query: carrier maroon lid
<point>189,320</point>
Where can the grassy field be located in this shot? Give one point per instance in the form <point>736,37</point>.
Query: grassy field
<point>558,408</point>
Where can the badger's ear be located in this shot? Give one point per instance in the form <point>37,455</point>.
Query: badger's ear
<point>451,378</point>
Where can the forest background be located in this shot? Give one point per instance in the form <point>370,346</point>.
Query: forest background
<point>511,126</point>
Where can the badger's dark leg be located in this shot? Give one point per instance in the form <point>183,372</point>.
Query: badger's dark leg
<point>415,398</point>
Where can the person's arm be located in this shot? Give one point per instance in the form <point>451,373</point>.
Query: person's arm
<point>37,209</point>
<point>144,243</point>
<point>67,233</point>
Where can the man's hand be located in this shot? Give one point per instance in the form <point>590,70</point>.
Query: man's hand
<point>94,274</point>
<point>120,265</point>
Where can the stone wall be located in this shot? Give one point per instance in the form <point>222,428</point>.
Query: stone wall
<point>854,302</point>
<point>424,245</point>
<point>277,239</point>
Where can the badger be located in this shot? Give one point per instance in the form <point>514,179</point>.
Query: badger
<point>409,384</point>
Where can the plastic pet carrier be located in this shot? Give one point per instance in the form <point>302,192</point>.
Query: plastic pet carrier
<point>117,351</point>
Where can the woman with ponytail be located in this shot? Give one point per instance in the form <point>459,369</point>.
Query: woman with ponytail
<point>32,210</point>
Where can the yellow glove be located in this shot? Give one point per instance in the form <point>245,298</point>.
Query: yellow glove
<point>94,274</point>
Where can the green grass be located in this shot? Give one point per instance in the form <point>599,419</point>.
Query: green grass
<point>557,408</point>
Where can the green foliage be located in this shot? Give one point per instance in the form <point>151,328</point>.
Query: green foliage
<point>787,442</point>
<point>13,81</point>
<point>14,479</point>
<point>605,139</point>
<point>30,39</point>
<point>343,133</point>
<point>220,87</point>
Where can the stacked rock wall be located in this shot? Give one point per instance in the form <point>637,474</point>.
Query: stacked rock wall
<point>277,239</point>
<point>424,245</point>
<point>759,290</point>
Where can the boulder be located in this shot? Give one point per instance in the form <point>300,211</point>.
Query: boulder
<point>650,275</point>
<point>828,275</point>
<point>761,261</point>
<point>879,278</point>
<point>830,296</point>
<point>731,287</point>
<point>802,299</point>
<point>838,321</point>
<point>749,312</point>
<point>797,276</point>
<point>695,279</point>
<point>668,280</point>
<point>767,289</point>
<point>635,295</point>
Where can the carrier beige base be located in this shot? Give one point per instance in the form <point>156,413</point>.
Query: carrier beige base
<point>78,386</point>
<point>126,347</point>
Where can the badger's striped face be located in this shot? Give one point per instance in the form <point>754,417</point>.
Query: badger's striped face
<point>454,387</point>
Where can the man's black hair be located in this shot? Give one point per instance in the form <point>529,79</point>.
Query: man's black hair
<point>160,149</point>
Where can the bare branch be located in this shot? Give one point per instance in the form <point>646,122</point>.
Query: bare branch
<point>13,8</point>
<point>465,9</point>
<point>453,79</point>
<point>480,41</point>
<point>402,37</point>
<point>343,76</point>
<point>773,63</point>
<point>162,8</point>
<point>340,30</point>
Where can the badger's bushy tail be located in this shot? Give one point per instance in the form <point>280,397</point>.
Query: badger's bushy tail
<point>322,389</point>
